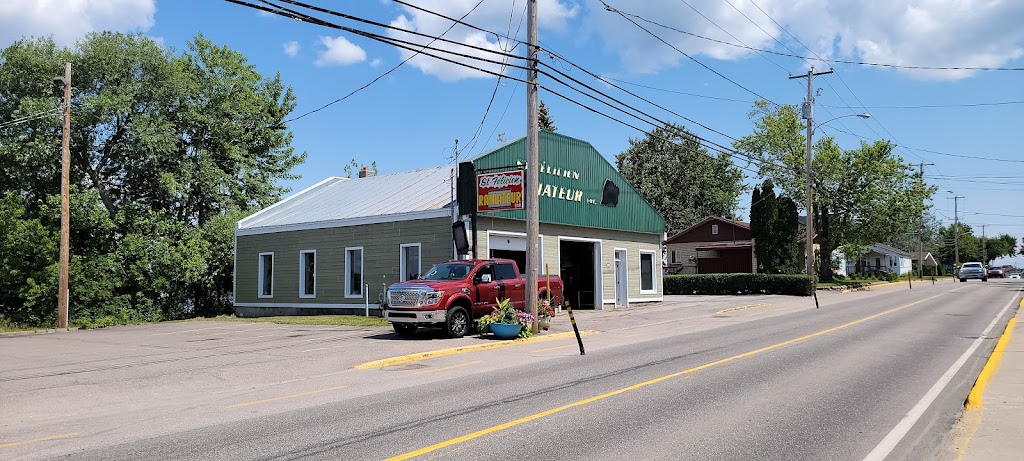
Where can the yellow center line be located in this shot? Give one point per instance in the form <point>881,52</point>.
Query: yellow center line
<point>44,439</point>
<point>749,306</point>
<point>517,422</point>
<point>464,349</point>
<point>448,368</point>
<point>301,394</point>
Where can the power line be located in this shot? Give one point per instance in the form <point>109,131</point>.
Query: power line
<point>939,106</point>
<point>818,58</point>
<point>746,101</point>
<point>400,44</point>
<point>27,118</point>
<point>613,10</point>
<point>972,157</point>
<point>497,83</point>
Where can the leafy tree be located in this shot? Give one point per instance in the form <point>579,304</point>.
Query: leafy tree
<point>676,174</point>
<point>544,118</point>
<point>774,225</point>
<point>861,196</point>
<point>168,151</point>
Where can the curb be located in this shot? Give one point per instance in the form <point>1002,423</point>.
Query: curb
<point>459,350</point>
<point>974,399</point>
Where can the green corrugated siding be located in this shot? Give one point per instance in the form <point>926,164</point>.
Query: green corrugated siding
<point>559,154</point>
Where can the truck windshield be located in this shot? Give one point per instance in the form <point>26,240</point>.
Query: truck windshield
<point>447,272</point>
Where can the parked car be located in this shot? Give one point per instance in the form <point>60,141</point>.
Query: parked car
<point>996,272</point>
<point>453,294</point>
<point>1015,275</point>
<point>972,270</point>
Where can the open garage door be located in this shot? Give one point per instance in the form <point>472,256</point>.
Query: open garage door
<point>508,246</point>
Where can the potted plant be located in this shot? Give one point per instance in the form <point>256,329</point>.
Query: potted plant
<point>544,314</point>
<point>506,322</point>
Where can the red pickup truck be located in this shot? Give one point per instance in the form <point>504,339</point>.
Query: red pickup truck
<point>452,294</point>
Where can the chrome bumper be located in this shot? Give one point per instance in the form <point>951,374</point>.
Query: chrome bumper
<point>408,316</point>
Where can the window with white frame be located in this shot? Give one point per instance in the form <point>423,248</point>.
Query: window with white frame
<point>354,272</point>
<point>411,268</point>
<point>647,272</point>
<point>307,274</point>
<point>266,275</point>
<point>714,229</point>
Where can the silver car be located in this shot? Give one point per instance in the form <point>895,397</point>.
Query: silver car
<point>973,270</point>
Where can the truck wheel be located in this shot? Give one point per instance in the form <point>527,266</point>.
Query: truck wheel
<point>404,329</point>
<point>963,280</point>
<point>458,322</point>
<point>984,280</point>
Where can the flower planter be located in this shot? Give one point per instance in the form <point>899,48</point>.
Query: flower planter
<point>505,330</point>
<point>544,323</point>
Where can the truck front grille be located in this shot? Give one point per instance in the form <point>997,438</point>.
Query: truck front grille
<point>403,298</point>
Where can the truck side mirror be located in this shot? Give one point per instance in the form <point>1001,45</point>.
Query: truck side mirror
<point>485,278</point>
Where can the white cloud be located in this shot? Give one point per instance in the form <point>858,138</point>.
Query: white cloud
<point>494,15</point>
<point>376,63</point>
<point>69,20</point>
<point>971,33</point>
<point>339,52</point>
<point>291,48</point>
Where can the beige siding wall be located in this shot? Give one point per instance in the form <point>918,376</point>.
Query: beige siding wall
<point>381,258</point>
<point>683,253</point>
<point>633,242</point>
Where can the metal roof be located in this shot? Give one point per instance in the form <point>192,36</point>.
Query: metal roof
<point>337,199</point>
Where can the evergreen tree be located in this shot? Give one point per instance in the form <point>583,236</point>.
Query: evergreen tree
<point>545,121</point>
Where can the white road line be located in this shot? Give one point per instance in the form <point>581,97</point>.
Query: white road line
<point>903,427</point>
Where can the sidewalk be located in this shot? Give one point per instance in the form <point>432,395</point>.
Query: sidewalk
<point>1000,432</point>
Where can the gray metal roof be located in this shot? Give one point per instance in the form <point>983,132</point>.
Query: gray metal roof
<point>337,199</point>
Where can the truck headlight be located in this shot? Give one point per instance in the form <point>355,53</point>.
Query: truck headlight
<point>431,298</point>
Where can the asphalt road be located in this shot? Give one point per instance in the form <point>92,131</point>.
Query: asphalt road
<point>776,379</point>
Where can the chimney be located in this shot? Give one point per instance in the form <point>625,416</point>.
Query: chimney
<point>365,172</point>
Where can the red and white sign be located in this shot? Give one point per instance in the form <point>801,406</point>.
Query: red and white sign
<point>500,191</point>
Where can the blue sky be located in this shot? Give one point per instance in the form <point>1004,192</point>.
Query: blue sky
<point>411,117</point>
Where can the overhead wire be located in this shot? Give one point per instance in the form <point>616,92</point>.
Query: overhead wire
<point>497,83</point>
<point>403,44</point>
<point>613,10</point>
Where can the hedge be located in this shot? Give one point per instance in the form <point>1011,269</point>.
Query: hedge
<point>738,284</point>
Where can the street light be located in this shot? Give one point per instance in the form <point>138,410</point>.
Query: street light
<point>808,225</point>
<point>864,115</point>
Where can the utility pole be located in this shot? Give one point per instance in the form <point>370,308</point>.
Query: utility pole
<point>532,164</point>
<point>808,114</point>
<point>920,227</point>
<point>65,205</point>
<point>956,230</point>
<point>984,246</point>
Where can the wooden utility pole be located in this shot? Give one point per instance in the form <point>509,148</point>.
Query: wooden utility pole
<point>808,114</point>
<point>65,204</point>
<point>532,164</point>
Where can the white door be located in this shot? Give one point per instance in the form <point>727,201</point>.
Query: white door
<point>621,284</point>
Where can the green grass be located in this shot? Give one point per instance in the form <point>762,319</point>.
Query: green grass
<point>344,320</point>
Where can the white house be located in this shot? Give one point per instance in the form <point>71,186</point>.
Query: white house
<point>877,258</point>
<point>884,258</point>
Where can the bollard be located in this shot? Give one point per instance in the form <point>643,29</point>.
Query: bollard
<point>933,280</point>
<point>910,283</point>
<point>576,329</point>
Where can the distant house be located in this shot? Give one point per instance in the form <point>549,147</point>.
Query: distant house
<point>929,263</point>
<point>884,258</point>
<point>713,245</point>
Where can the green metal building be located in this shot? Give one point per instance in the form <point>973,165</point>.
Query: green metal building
<point>333,247</point>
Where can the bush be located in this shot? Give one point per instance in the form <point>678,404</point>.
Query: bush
<point>732,284</point>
